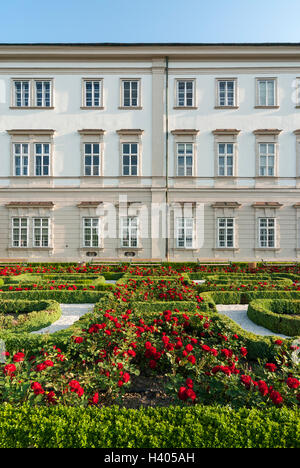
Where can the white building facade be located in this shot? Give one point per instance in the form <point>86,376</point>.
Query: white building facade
<point>178,152</point>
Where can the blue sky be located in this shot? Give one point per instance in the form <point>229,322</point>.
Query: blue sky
<point>150,21</point>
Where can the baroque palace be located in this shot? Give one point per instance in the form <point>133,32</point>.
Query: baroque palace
<point>154,151</point>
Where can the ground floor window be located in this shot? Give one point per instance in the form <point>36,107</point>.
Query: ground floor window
<point>185,233</point>
<point>20,232</point>
<point>129,231</point>
<point>267,233</point>
<point>226,232</point>
<point>41,232</point>
<point>91,232</point>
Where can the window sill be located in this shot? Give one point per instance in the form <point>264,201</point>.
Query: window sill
<point>130,107</point>
<point>32,107</point>
<point>185,107</point>
<point>46,249</point>
<point>227,249</point>
<point>226,107</point>
<point>92,107</point>
<point>267,249</point>
<point>131,249</point>
<point>267,107</point>
<point>90,249</point>
<point>186,249</point>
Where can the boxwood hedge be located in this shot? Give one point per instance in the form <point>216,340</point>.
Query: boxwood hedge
<point>279,316</point>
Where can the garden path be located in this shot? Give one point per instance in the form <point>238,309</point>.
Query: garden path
<point>238,313</point>
<point>70,314</point>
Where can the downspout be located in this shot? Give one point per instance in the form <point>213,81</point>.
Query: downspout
<point>167,159</point>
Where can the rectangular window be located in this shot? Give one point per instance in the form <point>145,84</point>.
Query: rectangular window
<point>225,159</point>
<point>41,232</point>
<point>225,232</point>
<point>185,93</point>
<point>266,92</point>
<point>267,159</point>
<point>129,231</point>
<point>267,236</point>
<point>43,93</point>
<point>226,93</point>
<point>130,93</point>
<point>93,93</point>
<point>130,159</point>
<point>20,232</point>
<point>21,159</point>
<point>91,232</point>
<point>185,233</point>
<point>185,159</point>
<point>92,159</point>
<point>22,93</point>
<point>42,159</point>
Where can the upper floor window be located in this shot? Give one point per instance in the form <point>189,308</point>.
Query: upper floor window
<point>130,159</point>
<point>92,159</point>
<point>184,159</point>
<point>93,94</point>
<point>267,232</point>
<point>266,92</point>
<point>42,159</point>
<point>32,93</point>
<point>226,93</point>
<point>267,159</point>
<point>185,90</point>
<point>225,159</point>
<point>41,232</point>
<point>131,93</point>
<point>185,233</point>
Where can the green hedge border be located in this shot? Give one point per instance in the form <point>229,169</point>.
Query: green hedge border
<point>262,313</point>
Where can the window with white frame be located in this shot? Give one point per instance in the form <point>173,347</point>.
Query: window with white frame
<point>21,159</point>
<point>41,232</point>
<point>226,232</point>
<point>129,231</point>
<point>91,232</point>
<point>92,93</point>
<point>130,159</point>
<point>43,93</point>
<point>42,159</point>
<point>266,92</point>
<point>92,159</point>
<point>21,93</point>
<point>185,159</point>
<point>267,159</point>
<point>185,233</point>
<point>225,159</point>
<point>267,232</point>
<point>185,93</point>
<point>20,232</point>
<point>130,93</point>
<point>226,93</point>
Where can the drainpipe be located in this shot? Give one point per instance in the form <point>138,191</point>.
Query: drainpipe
<point>167,159</point>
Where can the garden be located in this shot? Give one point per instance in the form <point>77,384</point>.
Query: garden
<point>155,361</point>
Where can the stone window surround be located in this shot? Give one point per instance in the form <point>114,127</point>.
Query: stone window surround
<point>139,100</point>
<point>262,78</point>
<point>92,136</point>
<point>226,136</point>
<point>31,137</point>
<point>90,209</point>
<point>185,136</point>
<point>83,103</point>
<point>130,136</point>
<point>266,136</point>
<point>189,205</point>
<point>267,210</point>
<point>32,96</point>
<point>195,105</point>
<point>226,210</point>
<point>129,209</point>
<point>31,210</point>
<point>236,93</point>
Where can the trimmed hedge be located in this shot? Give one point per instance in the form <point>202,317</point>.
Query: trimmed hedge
<point>173,427</point>
<point>279,316</point>
<point>63,297</point>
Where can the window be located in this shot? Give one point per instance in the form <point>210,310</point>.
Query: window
<point>185,233</point>
<point>226,93</point>
<point>92,93</point>
<point>185,159</point>
<point>21,159</point>
<point>91,232</point>
<point>22,93</point>
<point>41,232</point>
<point>225,232</point>
<point>130,159</point>
<point>185,93</point>
<point>32,93</point>
<point>92,159</point>
<point>267,159</point>
<point>43,93</point>
<point>20,232</point>
<point>225,159</point>
<point>129,231</point>
<point>267,233</point>
<point>266,89</point>
<point>130,93</point>
<point>42,159</point>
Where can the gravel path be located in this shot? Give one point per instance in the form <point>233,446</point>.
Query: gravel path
<point>70,314</point>
<point>238,313</point>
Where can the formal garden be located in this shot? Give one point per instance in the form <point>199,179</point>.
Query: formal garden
<point>145,356</point>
